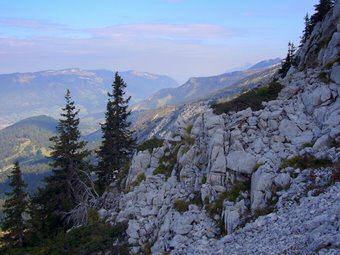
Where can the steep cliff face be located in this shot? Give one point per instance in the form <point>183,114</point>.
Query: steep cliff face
<point>250,182</point>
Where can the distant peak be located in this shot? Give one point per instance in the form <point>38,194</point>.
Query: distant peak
<point>265,64</point>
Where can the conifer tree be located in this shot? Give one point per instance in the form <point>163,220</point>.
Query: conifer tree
<point>307,30</point>
<point>68,160</point>
<point>321,10</point>
<point>117,144</point>
<point>289,60</point>
<point>15,206</point>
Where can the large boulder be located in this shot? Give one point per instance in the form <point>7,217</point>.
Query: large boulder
<point>241,161</point>
<point>140,162</point>
<point>315,98</point>
<point>233,214</point>
<point>261,188</point>
<point>289,129</point>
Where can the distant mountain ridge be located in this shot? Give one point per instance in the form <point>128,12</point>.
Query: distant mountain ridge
<point>29,94</point>
<point>200,87</point>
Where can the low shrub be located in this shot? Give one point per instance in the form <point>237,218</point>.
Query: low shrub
<point>181,205</point>
<point>188,139</point>
<point>197,199</point>
<point>306,161</point>
<point>139,179</point>
<point>324,78</point>
<point>331,63</point>
<point>257,166</point>
<point>150,144</point>
<point>162,169</point>
<point>307,145</point>
<point>216,206</point>
<point>167,163</point>
<point>236,189</point>
<point>147,249</point>
<point>93,216</point>
<point>188,129</point>
<point>252,99</point>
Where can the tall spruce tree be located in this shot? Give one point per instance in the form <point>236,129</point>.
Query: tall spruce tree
<point>68,161</point>
<point>115,150</point>
<point>15,206</point>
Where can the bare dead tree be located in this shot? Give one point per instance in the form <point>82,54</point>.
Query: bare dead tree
<point>85,196</point>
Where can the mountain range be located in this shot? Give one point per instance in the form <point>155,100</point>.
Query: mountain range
<point>28,140</point>
<point>29,94</point>
<point>200,87</point>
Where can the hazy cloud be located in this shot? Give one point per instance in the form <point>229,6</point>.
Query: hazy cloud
<point>163,32</point>
<point>32,24</point>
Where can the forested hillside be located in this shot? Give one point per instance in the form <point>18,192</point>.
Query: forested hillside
<point>28,142</point>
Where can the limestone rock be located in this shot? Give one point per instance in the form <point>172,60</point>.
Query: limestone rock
<point>261,184</point>
<point>335,74</point>
<point>241,161</point>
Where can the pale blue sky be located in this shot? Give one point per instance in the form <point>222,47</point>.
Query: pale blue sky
<point>181,38</point>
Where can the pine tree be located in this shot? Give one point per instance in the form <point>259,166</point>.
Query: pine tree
<point>321,10</point>
<point>68,161</point>
<point>117,144</point>
<point>15,206</point>
<point>289,60</point>
<point>307,30</point>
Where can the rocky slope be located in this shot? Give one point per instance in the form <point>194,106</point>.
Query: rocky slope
<point>250,182</point>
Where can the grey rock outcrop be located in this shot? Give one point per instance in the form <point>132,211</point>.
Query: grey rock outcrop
<point>230,169</point>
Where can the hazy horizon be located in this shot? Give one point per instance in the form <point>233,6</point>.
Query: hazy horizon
<point>178,38</point>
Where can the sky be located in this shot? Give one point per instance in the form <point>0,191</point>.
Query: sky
<point>179,38</point>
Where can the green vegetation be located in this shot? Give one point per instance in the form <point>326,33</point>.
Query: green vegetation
<point>147,249</point>
<point>264,211</point>
<point>90,239</point>
<point>48,222</point>
<point>307,145</point>
<point>289,61</point>
<point>26,142</point>
<point>236,189</point>
<point>334,143</point>
<point>150,144</point>
<point>61,192</point>
<point>188,129</point>
<point>252,99</point>
<point>15,206</point>
<point>162,169</point>
<point>324,78</point>
<point>188,139</point>
<point>216,206</point>
<point>181,205</point>
<point>306,161</point>
<point>324,43</point>
<point>117,143</point>
<point>138,181</point>
<point>197,199</point>
<point>167,162</point>
<point>257,166</point>
<point>331,63</point>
